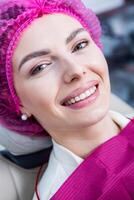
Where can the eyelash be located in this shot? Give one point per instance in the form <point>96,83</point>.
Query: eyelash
<point>86,42</point>
<point>37,69</point>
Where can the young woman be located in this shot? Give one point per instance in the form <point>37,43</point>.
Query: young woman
<point>54,81</point>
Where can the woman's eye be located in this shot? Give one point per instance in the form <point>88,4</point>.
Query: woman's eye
<point>38,69</point>
<point>80,46</point>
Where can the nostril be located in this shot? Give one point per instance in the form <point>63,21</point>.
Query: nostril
<point>71,78</point>
<point>74,78</point>
<point>74,72</point>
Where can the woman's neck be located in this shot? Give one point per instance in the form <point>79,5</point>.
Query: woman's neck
<point>86,140</point>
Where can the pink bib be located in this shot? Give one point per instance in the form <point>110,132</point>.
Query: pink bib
<point>106,174</point>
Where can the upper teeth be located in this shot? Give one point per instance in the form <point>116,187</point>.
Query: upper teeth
<point>82,96</point>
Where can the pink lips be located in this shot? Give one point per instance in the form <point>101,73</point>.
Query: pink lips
<point>80,90</point>
<point>85,102</point>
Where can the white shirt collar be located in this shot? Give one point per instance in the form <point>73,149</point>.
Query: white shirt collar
<point>119,119</point>
<point>68,159</point>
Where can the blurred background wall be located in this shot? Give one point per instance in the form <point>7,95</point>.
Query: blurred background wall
<point>100,6</point>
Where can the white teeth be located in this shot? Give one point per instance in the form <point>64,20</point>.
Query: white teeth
<point>82,96</point>
<point>77,99</point>
<point>87,93</point>
<point>72,100</point>
<point>92,90</point>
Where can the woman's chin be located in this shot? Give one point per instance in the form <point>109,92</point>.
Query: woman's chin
<point>88,119</point>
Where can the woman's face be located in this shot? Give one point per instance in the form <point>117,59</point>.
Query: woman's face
<point>60,75</point>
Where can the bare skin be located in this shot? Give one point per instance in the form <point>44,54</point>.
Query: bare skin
<point>70,65</point>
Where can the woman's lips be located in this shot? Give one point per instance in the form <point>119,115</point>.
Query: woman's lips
<point>87,101</point>
<point>79,91</point>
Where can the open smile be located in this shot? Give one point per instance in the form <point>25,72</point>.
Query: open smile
<point>82,98</point>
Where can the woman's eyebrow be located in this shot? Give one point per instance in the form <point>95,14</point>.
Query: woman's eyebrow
<point>74,34</point>
<point>33,55</point>
<point>47,51</point>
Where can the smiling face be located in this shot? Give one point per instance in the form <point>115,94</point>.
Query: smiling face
<point>60,75</point>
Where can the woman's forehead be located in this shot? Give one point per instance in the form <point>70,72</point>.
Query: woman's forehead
<point>51,26</point>
<point>46,32</point>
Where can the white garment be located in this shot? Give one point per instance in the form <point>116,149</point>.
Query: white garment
<point>63,162</point>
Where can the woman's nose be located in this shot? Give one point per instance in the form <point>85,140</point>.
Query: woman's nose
<point>73,71</point>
